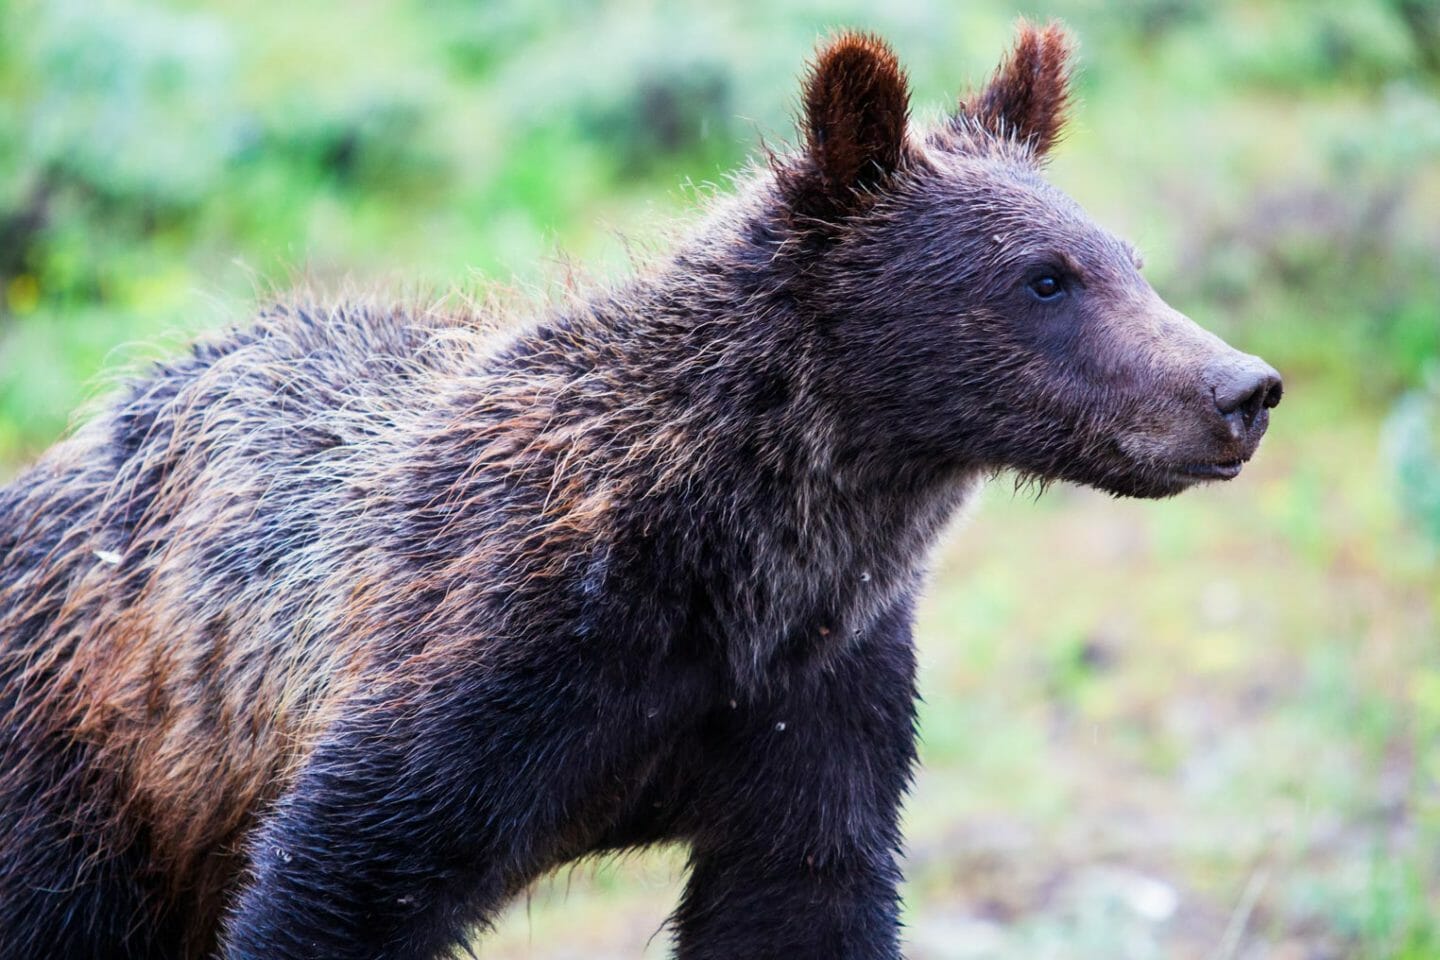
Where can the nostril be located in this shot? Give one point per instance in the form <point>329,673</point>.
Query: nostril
<point>1265,396</point>
<point>1252,404</point>
<point>1244,394</point>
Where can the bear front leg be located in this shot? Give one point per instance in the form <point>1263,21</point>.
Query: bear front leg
<point>794,852</point>
<point>431,805</point>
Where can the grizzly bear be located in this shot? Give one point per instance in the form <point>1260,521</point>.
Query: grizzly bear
<point>328,639</point>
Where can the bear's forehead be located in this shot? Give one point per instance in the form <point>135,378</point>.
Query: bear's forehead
<point>1015,192</point>
<point>1010,201</point>
<point>1012,195</point>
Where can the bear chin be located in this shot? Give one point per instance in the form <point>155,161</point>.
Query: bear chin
<point>1153,484</point>
<point>1142,481</point>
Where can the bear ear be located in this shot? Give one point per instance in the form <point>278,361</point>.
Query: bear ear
<point>1026,99</point>
<point>856,102</point>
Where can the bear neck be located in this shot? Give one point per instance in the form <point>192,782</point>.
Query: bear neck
<point>796,533</point>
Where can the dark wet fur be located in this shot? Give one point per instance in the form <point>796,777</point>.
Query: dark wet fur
<point>330,638</point>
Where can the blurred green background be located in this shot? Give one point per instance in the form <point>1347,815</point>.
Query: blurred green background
<point>1201,728</point>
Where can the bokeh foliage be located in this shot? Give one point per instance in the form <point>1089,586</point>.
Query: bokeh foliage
<point>1278,163</point>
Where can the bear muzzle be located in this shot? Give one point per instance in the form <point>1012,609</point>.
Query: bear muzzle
<point>1244,390</point>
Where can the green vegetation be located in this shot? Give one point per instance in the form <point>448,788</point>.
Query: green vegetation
<point>1203,728</point>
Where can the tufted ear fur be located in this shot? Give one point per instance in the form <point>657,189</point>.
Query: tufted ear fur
<point>856,102</point>
<point>1026,99</point>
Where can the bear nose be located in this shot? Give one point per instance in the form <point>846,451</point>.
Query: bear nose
<point>1245,388</point>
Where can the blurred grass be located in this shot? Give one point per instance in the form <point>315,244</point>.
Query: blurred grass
<point>1202,728</point>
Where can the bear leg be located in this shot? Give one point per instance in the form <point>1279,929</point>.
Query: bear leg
<point>433,803</point>
<point>796,855</point>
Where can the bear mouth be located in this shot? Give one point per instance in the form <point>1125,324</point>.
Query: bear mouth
<point>1167,479</point>
<point>1153,477</point>
<point>1216,470</point>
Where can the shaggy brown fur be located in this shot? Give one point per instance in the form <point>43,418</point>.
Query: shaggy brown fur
<point>328,638</point>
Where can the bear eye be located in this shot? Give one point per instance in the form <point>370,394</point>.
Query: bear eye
<point>1047,287</point>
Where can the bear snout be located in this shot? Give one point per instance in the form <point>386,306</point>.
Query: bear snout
<point>1244,389</point>
<point>1215,426</point>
